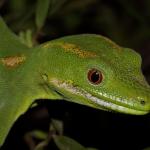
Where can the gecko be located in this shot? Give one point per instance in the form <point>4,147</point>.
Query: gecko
<point>87,69</point>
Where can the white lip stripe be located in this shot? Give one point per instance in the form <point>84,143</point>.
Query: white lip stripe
<point>75,90</point>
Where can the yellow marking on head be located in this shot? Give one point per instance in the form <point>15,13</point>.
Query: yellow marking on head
<point>75,49</point>
<point>13,61</point>
<point>68,47</point>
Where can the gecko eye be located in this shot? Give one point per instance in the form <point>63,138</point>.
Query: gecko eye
<point>95,76</point>
<point>142,102</point>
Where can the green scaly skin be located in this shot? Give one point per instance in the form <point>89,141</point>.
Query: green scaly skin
<point>57,70</point>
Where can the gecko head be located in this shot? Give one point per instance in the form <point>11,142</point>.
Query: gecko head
<point>111,79</point>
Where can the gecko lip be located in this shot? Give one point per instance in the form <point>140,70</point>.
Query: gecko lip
<point>102,102</point>
<point>116,107</point>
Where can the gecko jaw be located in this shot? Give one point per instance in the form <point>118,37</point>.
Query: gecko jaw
<point>100,102</point>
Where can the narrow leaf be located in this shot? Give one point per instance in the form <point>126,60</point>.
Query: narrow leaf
<point>58,126</point>
<point>55,5</point>
<point>41,12</point>
<point>66,143</point>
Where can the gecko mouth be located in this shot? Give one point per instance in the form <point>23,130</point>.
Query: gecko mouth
<point>105,104</point>
<point>97,102</point>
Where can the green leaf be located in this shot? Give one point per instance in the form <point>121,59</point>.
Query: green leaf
<point>41,135</point>
<point>41,145</point>
<point>17,5</point>
<point>57,125</point>
<point>26,37</point>
<point>66,143</point>
<point>41,12</point>
<point>55,5</point>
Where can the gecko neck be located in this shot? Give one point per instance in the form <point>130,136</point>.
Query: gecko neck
<point>36,76</point>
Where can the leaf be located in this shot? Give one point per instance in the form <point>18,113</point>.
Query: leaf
<point>26,37</point>
<point>41,146</point>
<point>41,12</point>
<point>17,5</point>
<point>57,125</point>
<point>44,7</point>
<point>40,135</point>
<point>55,5</point>
<point>66,143</point>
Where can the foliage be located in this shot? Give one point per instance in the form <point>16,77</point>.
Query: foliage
<point>54,135</point>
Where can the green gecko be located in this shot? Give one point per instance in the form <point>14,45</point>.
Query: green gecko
<point>87,69</point>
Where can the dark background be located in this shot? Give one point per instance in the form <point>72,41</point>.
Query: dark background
<point>127,22</point>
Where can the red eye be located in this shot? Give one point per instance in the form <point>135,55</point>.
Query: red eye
<point>95,76</point>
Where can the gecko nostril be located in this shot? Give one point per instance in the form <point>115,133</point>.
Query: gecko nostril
<point>142,102</point>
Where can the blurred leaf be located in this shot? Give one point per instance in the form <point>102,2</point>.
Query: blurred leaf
<point>41,146</point>
<point>42,8</point>
<point>17,5</point>
<point>38,134</point>
<point>26,38</point>
<point>57,126</point>
<point>31,137</point>
<point>41,12</point>
<point>66,143</point>
<point>55,5</point>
